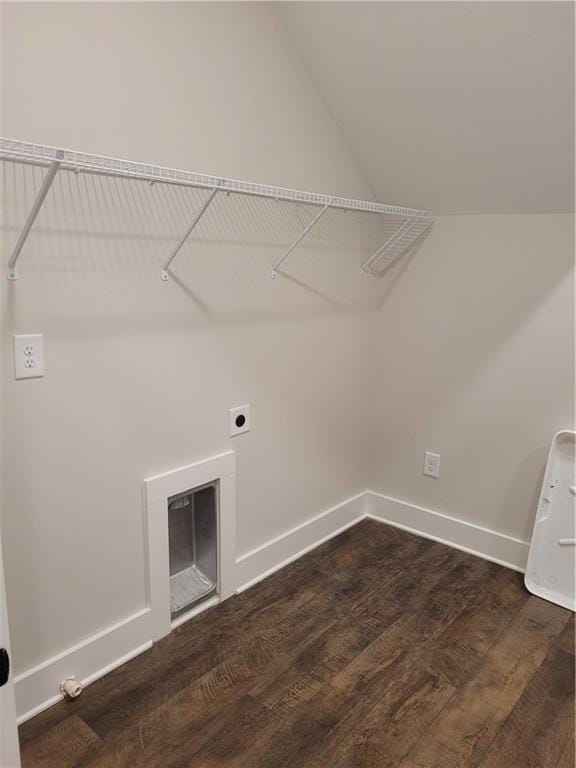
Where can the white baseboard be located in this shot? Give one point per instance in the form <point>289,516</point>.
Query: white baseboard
<point>483,542</point>
<point>37,688</point>
<point>275,554</point>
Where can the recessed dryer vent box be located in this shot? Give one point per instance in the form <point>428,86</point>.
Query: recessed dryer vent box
<point>190,540</point>
<point>193,542</point>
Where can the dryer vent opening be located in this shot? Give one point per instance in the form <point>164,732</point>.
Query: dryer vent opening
<point>193,543</point>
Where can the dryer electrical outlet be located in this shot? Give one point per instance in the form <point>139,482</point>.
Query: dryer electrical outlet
<point>239,420</point>
<point>28,356</point>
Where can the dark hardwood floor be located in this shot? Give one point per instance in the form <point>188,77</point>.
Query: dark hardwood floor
<point>377,650</point>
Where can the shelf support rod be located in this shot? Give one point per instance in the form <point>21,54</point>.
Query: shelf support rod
<point>28,224</point>
<point>164,274</point>
<point>300,237</point>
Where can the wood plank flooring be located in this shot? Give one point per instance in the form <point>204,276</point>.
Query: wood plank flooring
<point>377,650</point>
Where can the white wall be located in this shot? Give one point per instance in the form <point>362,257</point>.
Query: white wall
<point>469,353</point>
<point>140,373</point>
<point>475,361</point>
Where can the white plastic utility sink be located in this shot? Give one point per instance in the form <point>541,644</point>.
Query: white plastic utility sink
<point>550,571</point>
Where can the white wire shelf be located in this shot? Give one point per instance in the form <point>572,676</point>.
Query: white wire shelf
<point>410,225</point>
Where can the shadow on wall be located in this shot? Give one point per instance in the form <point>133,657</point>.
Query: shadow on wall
<point>99,242</point>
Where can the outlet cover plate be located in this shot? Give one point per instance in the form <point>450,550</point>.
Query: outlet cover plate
<point>28,356</point>
<point>432,464</point>
<point>239,420</point>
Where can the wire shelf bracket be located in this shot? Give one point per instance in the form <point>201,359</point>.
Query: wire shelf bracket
<point>299,239</point>
<point>31,218</point>
<point>165,269</point>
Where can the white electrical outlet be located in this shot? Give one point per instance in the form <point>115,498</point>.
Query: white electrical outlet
<point>239,420</point>
<point>28,356</point>
<point>432,464</point>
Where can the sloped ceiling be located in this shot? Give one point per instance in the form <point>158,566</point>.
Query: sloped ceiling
<point>454,106</point>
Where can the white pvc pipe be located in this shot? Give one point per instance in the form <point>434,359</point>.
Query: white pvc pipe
<point>70,687</point>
